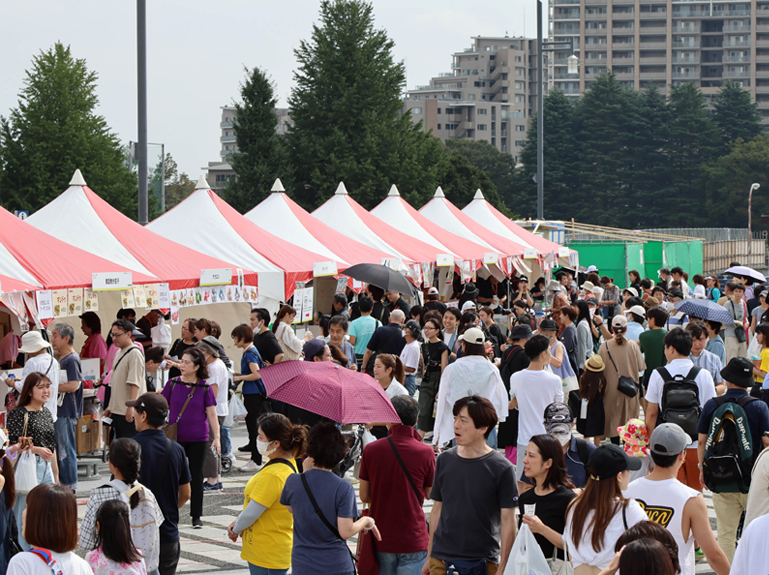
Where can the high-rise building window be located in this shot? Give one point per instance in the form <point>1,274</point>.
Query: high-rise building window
<point>416,110</point>
<point>520,128</point>
<point>482,111</point>
<point>482,127</point>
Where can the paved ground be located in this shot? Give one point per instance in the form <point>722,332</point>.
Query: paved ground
<point>208,550</point>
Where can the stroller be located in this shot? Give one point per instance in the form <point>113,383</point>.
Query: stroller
<point>354,441</point>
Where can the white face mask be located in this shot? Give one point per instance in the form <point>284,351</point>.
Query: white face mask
<point>263,447</point>
<point>564,438</point>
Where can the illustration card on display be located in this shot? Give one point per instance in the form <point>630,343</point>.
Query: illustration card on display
<point>60,301</point>
<point>90,300</point>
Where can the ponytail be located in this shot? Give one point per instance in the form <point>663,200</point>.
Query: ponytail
<point>277,427</point>
<point>393,362</point>
<point>125,454</point>
<point>619,335</point>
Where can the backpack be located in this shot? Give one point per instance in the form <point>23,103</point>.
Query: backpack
<point>145,524</point>
<point>728,461</point>
<point>680,401</point>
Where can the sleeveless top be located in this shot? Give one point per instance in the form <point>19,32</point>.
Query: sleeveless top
<point>664,503</point>
<point>565,370</point>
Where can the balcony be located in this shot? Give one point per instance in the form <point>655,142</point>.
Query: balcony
<point>736,59</point>
<point>686,29</point>
<point>653,60</point>
<point>652,15</point>
<point>661,29</point>
<point>733,74</point>
<point>623,15</point>
<point>763,58</point>
<point>652,45</point>
<point>501,97</point>
<point>225,125</point>
<point>566,76</point>
<point>557,2</point>
<point>730,13</point>
<point>686,74</point>
<point>653,75</point>
<point>690,14</point>
<point>694,44</point>
<point>225,153</point>
<point>736,43</point>
<point>737,28</point>
<point>686,60</point>
<point>623,46</point>
<point>227,139</point>
<point>762,28</point>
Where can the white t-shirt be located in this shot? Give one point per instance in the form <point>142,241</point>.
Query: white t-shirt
<point>394,389</point>
<point>31,564</point>
<point>534,390</point>
<point>584,554</point>
<point>758,496</point>
<point>41,363</point>
<point>410,355</point>
<point>217,374</point>
<point>704,381</point>
<point>752,554</point>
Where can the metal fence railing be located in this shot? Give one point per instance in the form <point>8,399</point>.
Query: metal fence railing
<point>710,234</point>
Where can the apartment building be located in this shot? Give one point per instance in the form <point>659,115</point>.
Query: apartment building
<point>664,42</point>
<point>489,95</point>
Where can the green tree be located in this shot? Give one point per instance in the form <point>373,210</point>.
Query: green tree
<point>728,180</point>
<point>261,155</point>
<point>735,115</point>
<point>55,131</point>
<point>178,186</point>
<point>347,114</point>
<point>561,157</point>
<point>694,141</point>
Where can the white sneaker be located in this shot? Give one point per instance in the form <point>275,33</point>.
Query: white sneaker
<point>250,466</point>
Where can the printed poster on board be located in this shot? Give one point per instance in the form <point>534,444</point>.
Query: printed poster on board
<point>90,300</point>
<point>164,296</point>
<point>75,297</point>
<point>44,299</point>
<point>60,301</point>
<point>139,296</point>
<point>127,298</point>
<point>151,295</point>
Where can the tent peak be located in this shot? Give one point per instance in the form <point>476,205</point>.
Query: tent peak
<point>278,186</point>
<point>77,179</point>
<point>393,192</point>
<point>340,190</point>
<point>202,184</point>
<point>439,193</point>
<point>478,195</point>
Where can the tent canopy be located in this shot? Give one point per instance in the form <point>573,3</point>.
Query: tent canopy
<point>83,219</point>
<point>282,216</point>
<point>363,227</point>
<point>398,213</point>
<point>210,225</point>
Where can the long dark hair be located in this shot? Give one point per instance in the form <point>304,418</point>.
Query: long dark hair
<point>602,497</point>
<point>114,535</point>
<point>466,322</point>
<point>584,311</point>
<point>645,556</point>
<point>591,384</point>
<point>9,489</point>
<point>285,310</point>
<point>550,448</point>
<point>31,381</point>
<point>126,455</point>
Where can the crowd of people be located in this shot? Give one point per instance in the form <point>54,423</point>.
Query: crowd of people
<point>599,413</point>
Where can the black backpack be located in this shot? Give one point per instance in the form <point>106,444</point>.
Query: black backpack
<point>680,402</point>
<point>729,454</point>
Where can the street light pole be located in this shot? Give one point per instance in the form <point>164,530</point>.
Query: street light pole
<point>141,65</point>
<point>750,224</point>
<point>540,120</point>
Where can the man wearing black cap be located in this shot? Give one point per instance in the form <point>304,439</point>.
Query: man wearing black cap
<point>738,375</point>
<point>514,359</point>
<point>668,502</point>
<point>164,470</point>
<point>523,294</point>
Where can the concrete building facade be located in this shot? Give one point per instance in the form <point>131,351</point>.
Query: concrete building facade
<point>489,95</point>
<point>664,42</point>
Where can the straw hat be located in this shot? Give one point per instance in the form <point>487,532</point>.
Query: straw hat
<point>595,363</point>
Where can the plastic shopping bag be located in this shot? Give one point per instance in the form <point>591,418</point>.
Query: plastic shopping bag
<point>26,473</point>
<point>754,349</point>
<point>526,557</point>
<point>236,411</point>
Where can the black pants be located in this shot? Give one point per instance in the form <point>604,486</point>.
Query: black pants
<point>169,557</point>
<point>121,427</point>
<point>196,455</point>
<point>256,404</point>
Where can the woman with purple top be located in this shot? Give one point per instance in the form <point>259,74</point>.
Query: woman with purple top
<point>192,405</point>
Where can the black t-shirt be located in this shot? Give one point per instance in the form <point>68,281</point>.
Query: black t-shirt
<point>267,345</point>
<point>401,304</point>
<point>381,313</point>
<point>177,351</point>
<point>435,305</point>
<point>551,510</point>
<point>165,486</point>
<point>431,353</point>
<point>387,339</point>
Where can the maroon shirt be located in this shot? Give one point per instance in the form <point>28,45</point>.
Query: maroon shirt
<point>394,506</point>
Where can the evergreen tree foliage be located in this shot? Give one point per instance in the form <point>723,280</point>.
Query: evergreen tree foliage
<point>347,114</point>
<point>54,131</point>
<point>735,115</point>
<point>261,155</point>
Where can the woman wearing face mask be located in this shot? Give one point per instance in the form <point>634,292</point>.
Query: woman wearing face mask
<point>265,524</point>
<point>544,464</point>
<point>600,514</point>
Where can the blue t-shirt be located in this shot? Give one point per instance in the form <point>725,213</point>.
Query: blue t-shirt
<point>251,355</point>
<point>316,550</point>
<point>72,406</point>
<point>756,411</point>
<point>362,329</point>
<point>153,443</point>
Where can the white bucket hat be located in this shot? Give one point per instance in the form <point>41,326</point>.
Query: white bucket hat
<point>32,341</point>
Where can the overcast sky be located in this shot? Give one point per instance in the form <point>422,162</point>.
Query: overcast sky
<point>197,51</point>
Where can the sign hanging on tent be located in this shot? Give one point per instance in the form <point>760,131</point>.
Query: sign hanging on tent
<point>60,301</point>
<point>321,269</point>
<point>341,285</point>
<point>127,298</point>
<point>216,277</point>
<point>44,301</point>
<point>164,296</point>
<point>75,297</point>
<point>443,260</point>
<point>151,295</point>
<point>111,281</point>
<point>140,299</point>
<point>563,252</point>
<point>90,300</point>
<point>490,258</point>
<point>529,254</point>
<point>307,299</point>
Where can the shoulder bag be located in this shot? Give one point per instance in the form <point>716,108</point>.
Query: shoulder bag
<point>172,429</point>
<point>739,332</point>
<point>624,384</point>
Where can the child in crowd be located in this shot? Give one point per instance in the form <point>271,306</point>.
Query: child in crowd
<point>115,553</point>
<point>635,439</point>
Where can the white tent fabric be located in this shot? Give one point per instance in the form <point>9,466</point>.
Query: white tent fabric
<point>12,268</point>
<point>198,224</point>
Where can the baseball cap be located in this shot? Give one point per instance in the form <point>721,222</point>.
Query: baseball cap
<point>763,293</point>
<point>432,291</point>
<point>523,279</point>
<point>473,335</point>
<point>558,418</point>
<point>313,348</point>
<point>413,326</point>
<point>521,331</point>
<point>668,439</point>
<point>739,371</point>
<point>150,403</point>
<point>548,324</point>
<point>638,310</point>
<point>469,304</point>
<point>607,460</point>
<point>619,321</point>
<point>592,301</point>
<point>632,291</point>
<point>592,269</point>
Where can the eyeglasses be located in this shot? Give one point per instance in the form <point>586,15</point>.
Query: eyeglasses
<point>117,334</point>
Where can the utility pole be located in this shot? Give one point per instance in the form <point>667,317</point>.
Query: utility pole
<point>540,120</point>
<point>141,64</point>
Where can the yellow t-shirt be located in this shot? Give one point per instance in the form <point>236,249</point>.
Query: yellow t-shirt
<point>267,543</point>
<point>764,364</point>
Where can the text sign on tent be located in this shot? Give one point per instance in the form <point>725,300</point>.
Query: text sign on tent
<point>490,258</point>
<point>563,252</point>
<point>529,254</point>
<point>44,304</point>
<point>217,277</point>
<point>320,269</point>
<point>112,281</point>
<point>443,260</point>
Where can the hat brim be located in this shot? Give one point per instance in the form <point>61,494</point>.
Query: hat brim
<point>633,463</point>
<point>739,380</point>
<point>43,345</point>
<point>558,427</point>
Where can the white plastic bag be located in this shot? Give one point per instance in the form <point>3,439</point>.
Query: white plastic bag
<point>367,438</point>
<point>754,349</point>
<point>26,473</point>
<point>236,410</point>
<point>526,557</point>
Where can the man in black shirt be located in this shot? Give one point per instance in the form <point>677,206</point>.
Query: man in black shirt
<point>264,340</point>
<point>387,339</point>
<point>145,325</point>
<point>397,302</point>
<point>164,470</point>
<point>433,303</point>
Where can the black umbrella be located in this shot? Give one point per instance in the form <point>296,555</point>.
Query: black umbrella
<point>381,276</point>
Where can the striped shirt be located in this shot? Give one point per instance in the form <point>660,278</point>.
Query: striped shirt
<point>709,362</point>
